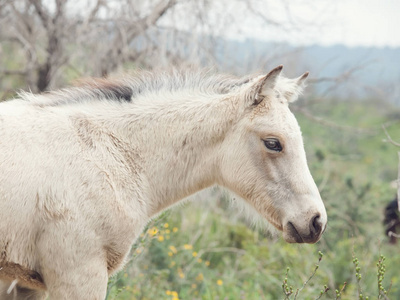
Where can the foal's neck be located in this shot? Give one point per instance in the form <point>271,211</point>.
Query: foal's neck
<point>180,147</point>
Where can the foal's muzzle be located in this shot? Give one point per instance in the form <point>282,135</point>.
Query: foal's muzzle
<point>309,234</point>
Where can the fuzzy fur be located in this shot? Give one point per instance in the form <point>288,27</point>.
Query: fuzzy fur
<point>82,170</point>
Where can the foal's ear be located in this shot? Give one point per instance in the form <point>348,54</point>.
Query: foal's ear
<point>301,81</point>
<point>293,91</point>
<point>265,83</point>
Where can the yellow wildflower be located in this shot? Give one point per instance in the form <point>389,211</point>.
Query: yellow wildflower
<point>174,294</point>
<point>167,231</point>
<point>188,247</point>
<point>200,277</point>
<point>220,282</point>
<point>166,225</point>
<point>207,263</point>
<point>168,292</point>
<point>170,253</point>
<point>194,285</point>
<point>175,229</point>
<point>199,260</point>
<point>153,231</point>
<point>161,238</point>
<point>194,254</point>
<point>173,249</point>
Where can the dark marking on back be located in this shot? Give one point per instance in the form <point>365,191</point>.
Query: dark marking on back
<point>108,88</point>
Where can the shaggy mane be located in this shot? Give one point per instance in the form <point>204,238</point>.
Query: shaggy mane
<point>129,86</point>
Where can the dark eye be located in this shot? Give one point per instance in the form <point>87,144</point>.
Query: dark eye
<point>273,144</point>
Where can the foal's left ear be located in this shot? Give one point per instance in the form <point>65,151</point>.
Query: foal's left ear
<point>301,81</point>
<point>295,89</point>
<point>265,83</point>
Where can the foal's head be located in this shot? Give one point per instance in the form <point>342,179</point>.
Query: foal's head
<point>264,159</point>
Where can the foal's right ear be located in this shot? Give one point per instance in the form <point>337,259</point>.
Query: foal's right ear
<point>264,83</point>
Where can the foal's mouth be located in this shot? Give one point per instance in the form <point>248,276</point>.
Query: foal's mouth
<point>294,233</point>
<point>296,237</point>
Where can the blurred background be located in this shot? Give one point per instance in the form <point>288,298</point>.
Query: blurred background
<point>349,114</point>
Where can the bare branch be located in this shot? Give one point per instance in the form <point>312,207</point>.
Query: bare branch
<point>345,76</point>
<point>392,234</point>
<point>398,185</point>
<point>159,10</point>
<point>60,4</point>
<point>43,15</point>
<point>389,138</point>
<point>13,72</point>
<point>262,16</point>
<point>94,12</point>
<point>319,120</point>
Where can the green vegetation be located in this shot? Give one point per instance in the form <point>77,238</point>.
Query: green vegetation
<point>199,251</point>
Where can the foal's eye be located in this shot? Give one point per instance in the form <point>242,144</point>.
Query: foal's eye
<point>273,144</point>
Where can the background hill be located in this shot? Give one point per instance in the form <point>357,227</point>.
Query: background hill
<point>338,71</point>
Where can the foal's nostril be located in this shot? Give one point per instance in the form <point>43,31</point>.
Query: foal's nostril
<point>316,225</point>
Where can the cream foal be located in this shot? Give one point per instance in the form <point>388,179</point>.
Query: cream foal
<point>82,170</point>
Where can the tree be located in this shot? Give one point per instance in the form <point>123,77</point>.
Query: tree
<point>46,43</point>
<point>50,36</point>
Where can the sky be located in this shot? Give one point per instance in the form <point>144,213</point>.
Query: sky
<point>367,22</point>
<point>349,22</point>
<point>306,22</point>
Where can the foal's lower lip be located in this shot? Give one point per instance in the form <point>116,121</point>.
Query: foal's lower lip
<point>296,236</point>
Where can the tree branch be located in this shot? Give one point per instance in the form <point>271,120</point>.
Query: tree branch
<point>389,138</point>
<point>398,184</point>
<point>43,16</point>
<point>392,234</point>
<point>319,120</point>
<point>159,10</point>
<point>13,72</point>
